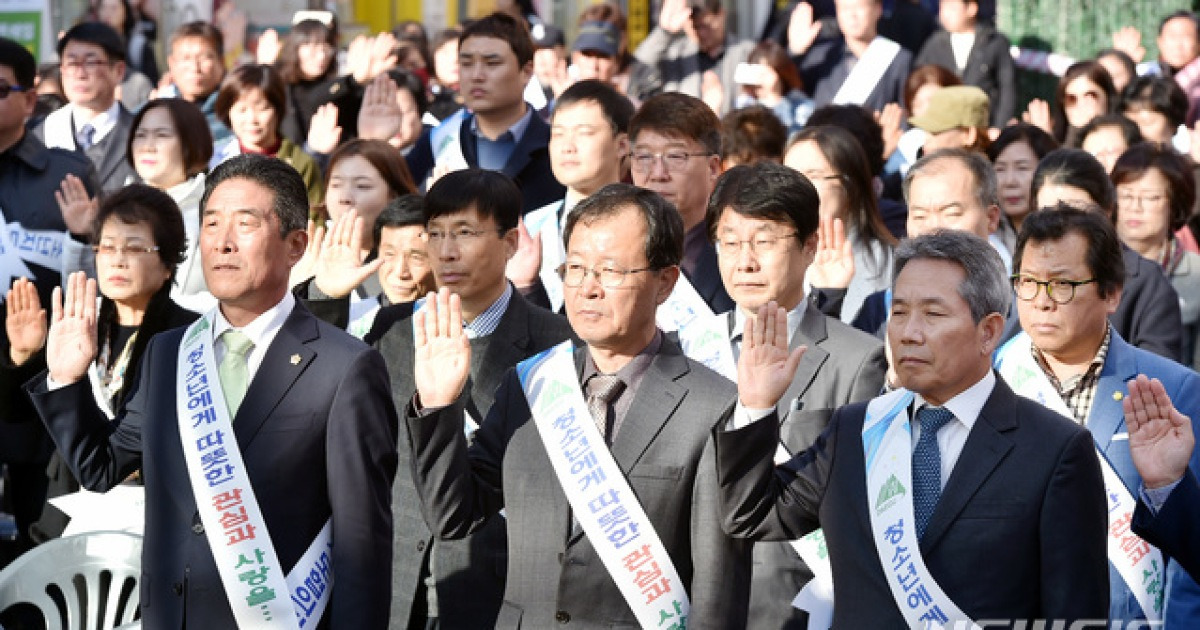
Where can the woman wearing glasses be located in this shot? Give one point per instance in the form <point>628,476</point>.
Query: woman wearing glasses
<point>1148,315</point>
<point>836,164</point>
<point>170,147</point>
<point>139,244</point>
<point>1155,193</point>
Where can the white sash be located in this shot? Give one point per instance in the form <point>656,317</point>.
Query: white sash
<point>446,143</point>
<point>601,500</point>
<point>1138,562</point>
<point>703,335</point>
<point>250,571</point>
<point>545,221</point>
<point>887,448</point>
<point>19,246</point>
<point>867,72</point>
<point>362,314</point>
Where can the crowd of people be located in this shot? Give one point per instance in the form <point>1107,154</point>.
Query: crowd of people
<point>481,329</point>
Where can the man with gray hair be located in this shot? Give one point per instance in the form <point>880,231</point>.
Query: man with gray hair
<point>918,488</point>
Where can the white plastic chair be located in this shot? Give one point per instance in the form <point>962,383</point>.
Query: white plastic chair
<point>78,582</point>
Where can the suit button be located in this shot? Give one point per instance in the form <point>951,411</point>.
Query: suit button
<point>177,588</point>
<point>197,525</point>
<point>421,545</point>
<point>562,617</point>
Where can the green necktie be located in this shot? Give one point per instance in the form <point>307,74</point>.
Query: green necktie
<point>233,371</point>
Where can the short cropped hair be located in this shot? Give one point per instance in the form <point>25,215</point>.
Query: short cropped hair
<point>195,138</point>
<point>769,191</point>
<point>1181,186</point>
<point>502,26</point>
<point>615,107</point>
<point>291,197</point>
<point>20,60</point>
<point>678,115</point>
<point>752,134</point>
<point>664,226</point>
<point>202,30</point>
<point>987,190</point>
<point>96,33</point>
<point>252,77</point>
<point>1104,258</point>
<point>403,211</point>
<point>491,193</point>
<point>985,287</point>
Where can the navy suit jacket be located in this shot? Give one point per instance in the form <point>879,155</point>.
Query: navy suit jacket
<point>1173,529</point>
<point>528,166</point>
<point>318,439</point>
<point>1019,531</point>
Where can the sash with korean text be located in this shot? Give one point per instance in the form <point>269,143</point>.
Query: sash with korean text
<point>1139,563</point>
<point>867,72</point>
<point>19,246</point>
<point>703,336</point>
<point>601,500</point>
<point>887,449</point>
<point>446,142</point>
<point>257,590</point>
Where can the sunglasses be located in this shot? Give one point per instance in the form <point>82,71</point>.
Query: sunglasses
<point>5,89</point>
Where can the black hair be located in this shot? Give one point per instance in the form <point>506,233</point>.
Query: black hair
<point>504,27</point>
<point>1038,140</point>
<point>664,226</point>
<point>1129,129</point>
<point>1078,168</point>
<point>402,211</point>
<point>1157,94</point>
<point>491,193</point>
<point>1104,259</point>
<point>861,123</point>
<point>97,33</point>
<point>20,60</point>
<point>615,107</point>
<point>290,202</point>
<point>766,190</point>
<point>752,134</point>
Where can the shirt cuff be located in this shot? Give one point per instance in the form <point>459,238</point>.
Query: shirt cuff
<point>52,384</point>
<point>1154,498</point>
<point>745,416</point>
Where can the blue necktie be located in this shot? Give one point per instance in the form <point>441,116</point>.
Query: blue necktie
<point>927,464</point>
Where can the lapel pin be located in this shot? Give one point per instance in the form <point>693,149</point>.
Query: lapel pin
<point>295,359</point>
<point>1117,396</point>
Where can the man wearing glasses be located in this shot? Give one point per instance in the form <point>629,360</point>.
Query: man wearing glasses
<point>470,233</point>
<point>93,121</point>
<point>1068,275</point>
<point>599,454</point>
<point>676,153</point>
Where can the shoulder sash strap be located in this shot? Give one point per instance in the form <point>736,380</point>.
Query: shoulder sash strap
<point>703,335</point>
<point>601,499</point>
<point>1139,563</point>
<point>446,142</point>
<point>887,450</point>
<point>250,571</point>
<point>19,246</point>
<point>857,87</point>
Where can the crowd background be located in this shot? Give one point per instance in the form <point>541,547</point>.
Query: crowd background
<point>129,119</point>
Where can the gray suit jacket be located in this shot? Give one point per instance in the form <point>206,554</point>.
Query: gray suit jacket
<point>842,365</point>
<point>113,170</point>
<point>554,576</point>
<point>469,573</point>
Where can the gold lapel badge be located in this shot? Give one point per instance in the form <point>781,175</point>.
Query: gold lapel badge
<point>1117,396</point>
<point>295,359</point>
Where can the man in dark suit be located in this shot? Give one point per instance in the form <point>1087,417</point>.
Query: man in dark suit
<point>764,220</point>
<point>1000,514</point>
<point>316,430</point>
<point>652,411</point>
<point>496,129</point>
<point>1162,444</point>
<point>93,122</point>
<point>981,59</point>
<point>471,226</point>
<point>676,142</point>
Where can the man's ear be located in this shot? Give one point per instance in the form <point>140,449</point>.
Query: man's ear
<point>993,216</point>
<point>670,276</point>
<point>297,241</point>
<point>991,329</point>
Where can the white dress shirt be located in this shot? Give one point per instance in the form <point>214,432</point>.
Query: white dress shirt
<point>953,436</point>
<point>261,332</point>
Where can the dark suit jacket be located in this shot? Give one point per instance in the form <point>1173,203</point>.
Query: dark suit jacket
<point>706,278</point>
<point>841,366</point>
<point>469,573</point>
<point>317,438</point>
<point>1148,315</point>
<point>664,449</point>
<point>1173,529</point>
<point>989,68</point>
<point>823,69</point>
<point>113,170</point>
<point>1019,532</point>
<point>528,166</point>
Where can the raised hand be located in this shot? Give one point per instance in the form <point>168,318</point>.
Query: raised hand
<point>383,56</point>
<point>323,130</point>
<point>268,47</point>
<point>380,117</point>
<point>78,209</point>
<point>1129,41</point>
<point>833,265</point>
<point>562,78</point>
<point>25,321</point>
<point>890,119</point>
<point>306,267</point>
<point>766,366</point>
<point>1160,438</point>
<point>525,264</point>
<point>358,58</point>
<point>1038,115</point>
<point>443,355</point>
<point>71,344</point>
<point>674,15</point>
<point>803,30</point>
<point>340,265</point>
<point>711,91</point>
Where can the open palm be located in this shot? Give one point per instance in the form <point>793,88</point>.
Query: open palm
<point>339,266</point>
<point>1160,438</point>
<point>71,344</point>
<point>443,355</point>
<point>25,321</point>
<point>766,367</point>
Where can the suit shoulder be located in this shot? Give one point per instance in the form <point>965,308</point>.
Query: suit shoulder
<point>850,340</point>
<point>546,324</point>
<point>1047,425</point>
<point>702,378</point>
